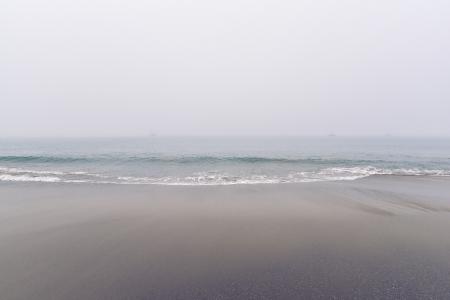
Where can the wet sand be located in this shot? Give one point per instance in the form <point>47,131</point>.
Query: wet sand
<point>374,238</point>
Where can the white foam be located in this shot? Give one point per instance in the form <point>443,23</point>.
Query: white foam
<point>27,178</point>
<point>327,174</point>
<point>214,177</point>
<point>22,171</point>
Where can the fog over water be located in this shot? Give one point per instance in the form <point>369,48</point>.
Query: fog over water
<point>114,68</point>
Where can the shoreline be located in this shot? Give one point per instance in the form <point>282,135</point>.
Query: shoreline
<point>307,181</point>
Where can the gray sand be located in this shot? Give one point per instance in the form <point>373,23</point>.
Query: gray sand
<point>379,237</point>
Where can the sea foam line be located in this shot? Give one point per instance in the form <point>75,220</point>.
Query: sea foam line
<point>212,178</point>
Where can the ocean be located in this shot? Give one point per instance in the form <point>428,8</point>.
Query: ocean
<point>219,160</point>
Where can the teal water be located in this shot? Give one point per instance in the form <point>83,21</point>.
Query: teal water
<point>219,160</point>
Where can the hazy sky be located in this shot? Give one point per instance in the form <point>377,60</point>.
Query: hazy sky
<point>132,67</point>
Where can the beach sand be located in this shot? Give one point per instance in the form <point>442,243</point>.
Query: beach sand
<point>383,237</point>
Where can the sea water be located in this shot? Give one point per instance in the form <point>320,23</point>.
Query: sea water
<point>219,160</point>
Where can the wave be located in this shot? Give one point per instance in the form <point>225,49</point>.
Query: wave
<point>214,178</point>
<point>41,159</point>
<point>180,159</point>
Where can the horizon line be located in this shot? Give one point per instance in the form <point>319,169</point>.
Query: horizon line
<point>331,135</point>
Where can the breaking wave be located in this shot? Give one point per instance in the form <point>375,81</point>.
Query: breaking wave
<point>213,178</point>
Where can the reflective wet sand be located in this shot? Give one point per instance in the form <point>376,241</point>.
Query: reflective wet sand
<point>375,238</point>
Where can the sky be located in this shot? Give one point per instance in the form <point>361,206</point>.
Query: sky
<point>237,67</point>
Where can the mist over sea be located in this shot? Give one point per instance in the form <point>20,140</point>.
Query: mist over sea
<point>219,160</point>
